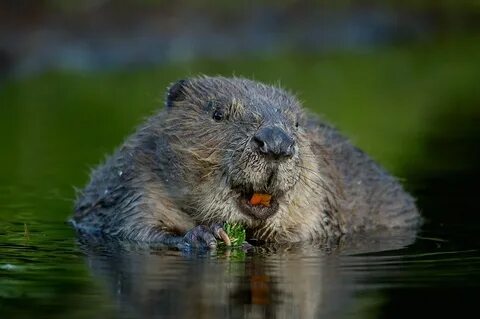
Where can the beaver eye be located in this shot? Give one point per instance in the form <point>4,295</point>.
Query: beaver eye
<point>218,115</point>
<point>296,124</point>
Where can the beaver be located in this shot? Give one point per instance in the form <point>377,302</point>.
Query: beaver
<point>218,142</point>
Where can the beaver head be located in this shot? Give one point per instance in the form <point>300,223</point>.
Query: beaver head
<point>234,137</point>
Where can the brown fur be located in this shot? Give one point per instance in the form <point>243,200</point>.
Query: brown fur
<point>182,168</point>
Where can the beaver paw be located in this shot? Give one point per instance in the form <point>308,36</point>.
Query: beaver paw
<point>203,236</point>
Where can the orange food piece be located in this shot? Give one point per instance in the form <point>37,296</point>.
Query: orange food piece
<point>260,199</point>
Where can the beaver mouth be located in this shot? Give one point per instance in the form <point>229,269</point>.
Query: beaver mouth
<point>259,212</point>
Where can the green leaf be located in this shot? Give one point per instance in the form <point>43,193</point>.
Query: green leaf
<point>236,233</point>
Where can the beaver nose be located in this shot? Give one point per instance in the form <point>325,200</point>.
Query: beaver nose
<point>275,142</point>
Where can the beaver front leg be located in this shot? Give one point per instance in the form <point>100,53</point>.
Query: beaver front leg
<point>134,205</point>
<point>143,222</point>
<point>203,236</point>
<point>198,237</point>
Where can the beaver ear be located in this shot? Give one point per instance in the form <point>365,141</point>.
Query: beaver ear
<point>176,92</point>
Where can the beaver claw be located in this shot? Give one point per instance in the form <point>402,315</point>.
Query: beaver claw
<point>206,236</point>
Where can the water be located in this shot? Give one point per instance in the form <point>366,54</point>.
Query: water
<point>46,273</point>
<point>53,129</point>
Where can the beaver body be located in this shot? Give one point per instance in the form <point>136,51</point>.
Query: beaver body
<point>196,164</point>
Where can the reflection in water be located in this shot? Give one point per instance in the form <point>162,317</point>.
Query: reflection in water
<point>299,281</point>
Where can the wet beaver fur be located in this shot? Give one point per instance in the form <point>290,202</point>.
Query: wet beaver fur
<point>196,163</point>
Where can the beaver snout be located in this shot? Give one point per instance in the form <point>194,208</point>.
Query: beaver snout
<point>274,142</point>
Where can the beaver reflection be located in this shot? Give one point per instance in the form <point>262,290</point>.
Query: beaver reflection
<point>282,282</point>
<point>165,284</point>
